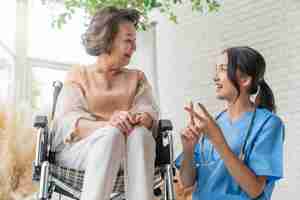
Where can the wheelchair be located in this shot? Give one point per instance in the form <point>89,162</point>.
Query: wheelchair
<point>53,178</point>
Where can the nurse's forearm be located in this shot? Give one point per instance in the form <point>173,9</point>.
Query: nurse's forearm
<point>187,170</point>
<point>248,181</point>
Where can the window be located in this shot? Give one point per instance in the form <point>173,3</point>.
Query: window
<point>48,43</point>
<point>6,63</point>
<point>51,52</point>
<point>8,23</point>
<point>42,90</point>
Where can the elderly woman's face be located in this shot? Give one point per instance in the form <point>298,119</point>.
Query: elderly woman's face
<point>124,44</point>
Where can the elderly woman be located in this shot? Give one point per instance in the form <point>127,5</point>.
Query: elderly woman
<point>106,112</point>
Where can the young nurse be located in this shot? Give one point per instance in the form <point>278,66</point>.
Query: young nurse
<point>238,154</point>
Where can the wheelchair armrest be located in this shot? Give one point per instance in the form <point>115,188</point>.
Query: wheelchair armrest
<point>164,125</point>
<point>163,151</point>
<point>40,121</point>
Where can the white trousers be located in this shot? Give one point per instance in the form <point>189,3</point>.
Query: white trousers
<point>101,154</point>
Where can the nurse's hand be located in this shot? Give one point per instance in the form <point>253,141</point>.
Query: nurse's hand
<point>190,135</point>
<point>204,123</point>
<point>189,138</point>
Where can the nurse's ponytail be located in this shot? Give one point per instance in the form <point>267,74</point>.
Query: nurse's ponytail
<point>265,97</point>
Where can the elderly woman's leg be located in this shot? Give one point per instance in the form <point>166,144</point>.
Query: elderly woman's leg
<point>140,164</point>
<point>103,162</point>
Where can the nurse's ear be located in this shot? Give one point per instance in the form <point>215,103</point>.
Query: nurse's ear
<point>244,80</point>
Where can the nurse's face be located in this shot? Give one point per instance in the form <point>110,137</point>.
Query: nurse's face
<point>224,88</point>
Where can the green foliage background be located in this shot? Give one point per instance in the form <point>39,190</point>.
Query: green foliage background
<point>144,6</point>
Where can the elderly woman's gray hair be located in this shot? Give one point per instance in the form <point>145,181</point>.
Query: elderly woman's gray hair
<point>103,28</point>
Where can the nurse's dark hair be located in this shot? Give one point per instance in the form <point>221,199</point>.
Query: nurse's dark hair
<point>250,62</point>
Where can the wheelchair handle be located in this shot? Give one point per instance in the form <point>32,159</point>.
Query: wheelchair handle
<point>165,125</point>
<point>40,121</point>
<point>57,88</point>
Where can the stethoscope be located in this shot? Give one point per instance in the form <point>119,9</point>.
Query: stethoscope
<point>206,162</point>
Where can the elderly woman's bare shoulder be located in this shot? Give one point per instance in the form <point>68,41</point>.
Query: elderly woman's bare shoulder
<point>135,72</point>
<point>76,73</point>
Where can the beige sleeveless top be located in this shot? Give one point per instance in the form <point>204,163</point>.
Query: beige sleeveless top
<point>104,98</point>
<point>86,94</point>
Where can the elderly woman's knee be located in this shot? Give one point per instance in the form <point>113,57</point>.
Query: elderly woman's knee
<point>111,135</point>
<point>141,133</point>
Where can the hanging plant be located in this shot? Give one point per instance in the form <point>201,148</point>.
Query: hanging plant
<point>144,6</point>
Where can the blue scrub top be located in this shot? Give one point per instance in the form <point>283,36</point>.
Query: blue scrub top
<point>263,155</point>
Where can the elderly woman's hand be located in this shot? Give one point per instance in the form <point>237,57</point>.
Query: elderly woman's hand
<point>123,120</point>
<point>144,119</point>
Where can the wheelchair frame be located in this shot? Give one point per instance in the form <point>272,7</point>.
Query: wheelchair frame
<point>45,159</point>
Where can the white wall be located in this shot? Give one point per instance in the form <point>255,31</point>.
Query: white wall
<point>288,92</point>
<point>185,54</point>
<point>145,57</point>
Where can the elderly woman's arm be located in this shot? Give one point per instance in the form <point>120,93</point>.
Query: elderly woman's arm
<point>145,105</point>
<point>72,120</point>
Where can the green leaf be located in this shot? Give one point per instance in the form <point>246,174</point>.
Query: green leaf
<point>166,7</point>
<point>173,18</point>
<point>156,4</point>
